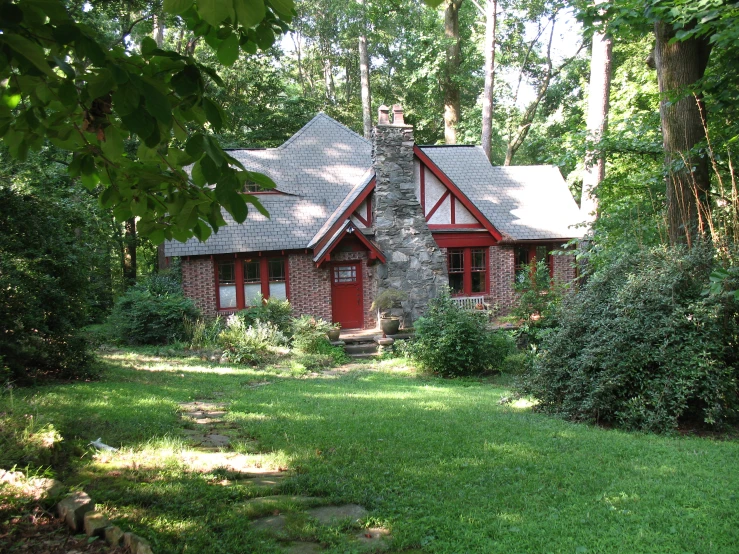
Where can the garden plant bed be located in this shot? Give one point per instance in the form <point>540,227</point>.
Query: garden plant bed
<point>439,465</point>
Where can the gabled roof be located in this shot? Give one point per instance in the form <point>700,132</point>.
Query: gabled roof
<point>316,169</point>
<point>522,202</point>
<point>347,228</point>
<point>325,168</point>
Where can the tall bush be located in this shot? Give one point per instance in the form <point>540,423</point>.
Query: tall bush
<point>44,288</point>
<point>453,341</point>
<point>273,310</point>
<point>154,311</point>
<point>642,347</point>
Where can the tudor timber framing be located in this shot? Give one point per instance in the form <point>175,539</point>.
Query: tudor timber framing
<point>455,192</point>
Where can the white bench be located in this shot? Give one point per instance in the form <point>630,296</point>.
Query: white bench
<point>468,302</point>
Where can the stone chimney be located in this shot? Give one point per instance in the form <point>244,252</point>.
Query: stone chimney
<point>415,264</point>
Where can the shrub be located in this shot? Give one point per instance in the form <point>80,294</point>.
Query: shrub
<point>309,334</point>
<point>203,333</point>
<point>640,346</point>
<point>538,297</point>
<point>45,279</point>
<point>152,312</point>
<point>241,344</point>
<point>453,341</point>
<point>275,311</point>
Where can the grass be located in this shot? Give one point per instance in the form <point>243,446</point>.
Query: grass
<point>440,463</point>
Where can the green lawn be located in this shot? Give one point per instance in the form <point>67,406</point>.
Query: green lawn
<point>440,463</point>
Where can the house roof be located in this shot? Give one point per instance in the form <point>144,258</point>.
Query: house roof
<point>316,169</point>
<point>322,169</point>
<point>522,202</point>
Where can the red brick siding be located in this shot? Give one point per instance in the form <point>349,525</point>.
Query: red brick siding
<point>565,268</point>
<point>199,284</point>
<point>310,287</point>
<point>502,276</point>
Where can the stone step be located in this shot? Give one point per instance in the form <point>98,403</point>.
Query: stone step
<point>361,348</point>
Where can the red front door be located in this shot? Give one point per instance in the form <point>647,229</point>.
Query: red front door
<point>346,294</point>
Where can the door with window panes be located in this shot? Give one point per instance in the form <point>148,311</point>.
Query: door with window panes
<point>346,295</point>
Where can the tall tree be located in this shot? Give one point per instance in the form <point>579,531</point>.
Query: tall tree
<point>364,73</point>
<point>680,65</point>
<point>452,98</point>
<point>491,18</point>
<point>597,120</point>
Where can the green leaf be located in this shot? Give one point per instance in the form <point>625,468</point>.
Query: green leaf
<point>233,202</point>
<point>265,36</point>
<point>112,146</point>
<point>126,99</point>
<point>195,146</point>
<point>10,99</point>
<point>29,50</point>
<point>433,3</point>
<point>201,231</point>
<point>148,45</point>
<point>156,236</point>
<point>210,170</point>
<point>262,180</point>
<point>187,81</point>
<point>157,104</point>
<point>109,197</point>
<point>228,51</point>
<point>283,7</point>
<point>100,84</point>
<point>254,201</point>
<point>213,113</point>
<point>90,181</point>
<point>140,123</point>
<point>197,175</point>
<point>68,94</point>
<point>177,6</point>
<point>139,207</point>
<point>249,12</point>
<point>215,12</point>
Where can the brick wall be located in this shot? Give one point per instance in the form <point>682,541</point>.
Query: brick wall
<point>502,275</point>
<point>565,268</point>
<point>310,287</point>
<point>199,284</point>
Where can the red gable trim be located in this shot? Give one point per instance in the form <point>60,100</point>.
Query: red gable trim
<point>375,253</point>
<point>344,216</point>
<point>462,240</point>
<point>456,192</point>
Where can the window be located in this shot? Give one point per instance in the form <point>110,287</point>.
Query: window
<point>526,254</point>
<point>467,271</point>
<point>345,274</point>
<point>227,284</point>
<point>242,281</point>
<point>251,186</point>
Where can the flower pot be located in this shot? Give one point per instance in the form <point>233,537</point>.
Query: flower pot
<point>389,325</point>
<point>333,334</point>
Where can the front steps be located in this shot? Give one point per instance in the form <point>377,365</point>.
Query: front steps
<point>367,344</point>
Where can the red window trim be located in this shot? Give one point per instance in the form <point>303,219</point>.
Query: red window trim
<point>532,256</point>
<point>467,279</point>
<point>238,260</point>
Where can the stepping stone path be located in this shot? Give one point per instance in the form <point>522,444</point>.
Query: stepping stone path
<point>279,516</point>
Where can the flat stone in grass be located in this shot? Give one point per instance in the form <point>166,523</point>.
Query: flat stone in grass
<point>328,514</point>
<point>113,535</point>
<point>136,544</point>
<point>214,440</point>
<point>271,524</point>
<point>377,537</point>
<point>264,480</point>
<point>201,406</point>
<point>275,499</point>
<point>302,548</point>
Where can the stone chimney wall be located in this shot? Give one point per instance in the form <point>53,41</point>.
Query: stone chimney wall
<point>415,264</point>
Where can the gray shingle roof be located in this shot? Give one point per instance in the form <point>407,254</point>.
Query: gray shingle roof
<point>322,169</point>
<point>317,168</point>
<point>522,202</point>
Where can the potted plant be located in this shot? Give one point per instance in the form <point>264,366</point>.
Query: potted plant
<point>334,332</point>
<point>384,302</point>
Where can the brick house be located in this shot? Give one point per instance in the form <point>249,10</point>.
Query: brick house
<point>350,218</point>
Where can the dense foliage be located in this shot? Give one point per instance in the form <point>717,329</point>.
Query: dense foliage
<point>643,347</point>
<point>453,341</point>
<point>154,311</point>
<point>44,284</point>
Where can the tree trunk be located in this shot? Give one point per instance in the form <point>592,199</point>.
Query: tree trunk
<point>597,121</point>
<point>491,9</point>
<point>680,65</point>
<point>158,33</point>
<point>328,74</point>
<point>364,77</point>
<point>129,252</point>
<point>452,100</point>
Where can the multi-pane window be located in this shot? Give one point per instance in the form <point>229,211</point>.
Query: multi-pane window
<point>252,282</point>
<point>242,282</point>
<point>251,186</point>
<point>467,271</point>
<point>345,274</point>
<point>227,284</point>
<point>277,280</point>
<point>529,253</point>
<point>456,271</point>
